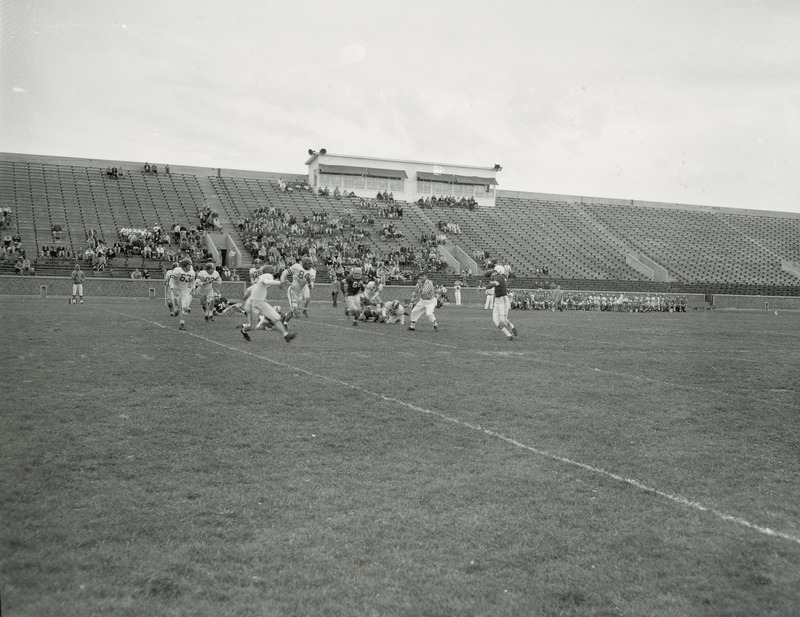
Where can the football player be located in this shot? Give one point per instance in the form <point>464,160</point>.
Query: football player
<point>204,286</point>
<point>369,311</point>
<point>502,303</point>
<point>256,305</point>
<point>181,285</point>
<point>352,288</point>
<point>303,275</point>
<point>255,271</point>
<point>393,311</point>
<point>372,293</point>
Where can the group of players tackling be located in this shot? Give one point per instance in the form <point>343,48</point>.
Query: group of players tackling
<point>362,300</point>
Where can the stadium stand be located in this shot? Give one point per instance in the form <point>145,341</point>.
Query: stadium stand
<point>572,241</point>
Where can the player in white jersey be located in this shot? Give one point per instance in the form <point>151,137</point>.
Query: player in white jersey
<point>255,271</point>
<point>372,293</point>
<point>181,285</point>
<point>303,276</point>
<point>204,285</point>
<point>393,311</point>
<point>256,305</point>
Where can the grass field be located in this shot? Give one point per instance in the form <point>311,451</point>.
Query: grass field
<point>600,464</point>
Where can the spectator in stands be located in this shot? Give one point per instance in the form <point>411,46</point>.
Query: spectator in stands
<point>136,275</point>
<point>18,266</point>
<point>147,167</point>
<point>145,274</point>
<point>166,169</point>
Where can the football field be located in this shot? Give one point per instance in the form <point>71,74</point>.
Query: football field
<point>599,464</point>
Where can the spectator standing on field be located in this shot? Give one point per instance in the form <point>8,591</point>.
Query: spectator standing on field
<point>78,276</point>
<point>489,305</point>
<point>457,292</point>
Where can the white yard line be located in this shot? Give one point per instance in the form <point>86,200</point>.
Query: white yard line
<point>543,453</point>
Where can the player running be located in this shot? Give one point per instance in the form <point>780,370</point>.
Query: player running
<point>204,286</point>
<point>180,282</point>
<point>256,305</point>
<point>303,275</point>
<point>352,289</point>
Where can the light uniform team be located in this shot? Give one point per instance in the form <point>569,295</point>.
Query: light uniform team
<point>363,301</point>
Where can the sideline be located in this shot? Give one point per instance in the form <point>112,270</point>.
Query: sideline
<point>475,427</point>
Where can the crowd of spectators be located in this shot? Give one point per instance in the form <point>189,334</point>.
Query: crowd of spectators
<point>556,299</point>
<point>209,219</point>
<point>12,247</point>
<point>153,169</point>
<point>114,172</point>
<point>390,232</point>
<point>294,185</point>
<point>382,208</point>
<point>448,201</point>
<point>55,251</point>
<point>23,265</point>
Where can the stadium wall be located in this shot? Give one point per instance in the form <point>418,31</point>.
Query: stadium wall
<point>61,286</point>
<point>755,303</point>
<point>97,287</point>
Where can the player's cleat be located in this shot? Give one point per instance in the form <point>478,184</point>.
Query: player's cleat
<point>210,318</point>
<point>206,317</point>
<point>81,301</point>
<point>411,328</point>
<point>509,338</point>
<point>514,330</point>
<point>435,327</point>
<point>182,326</point>
<point>305,312</point>
<point>355,323</point>
<point>246,336</point>
<point>288,337</point>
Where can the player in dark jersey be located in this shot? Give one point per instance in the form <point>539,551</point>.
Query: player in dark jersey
<point>353,288</point>
<point>501,301</point>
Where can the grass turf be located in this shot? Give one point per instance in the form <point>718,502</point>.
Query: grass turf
<point>601,464</point>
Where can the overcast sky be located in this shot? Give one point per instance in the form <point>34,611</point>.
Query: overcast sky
<point>687,101</point>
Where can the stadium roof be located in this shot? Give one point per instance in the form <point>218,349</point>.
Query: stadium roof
<point>351,170</point>
<point>455,179</point>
